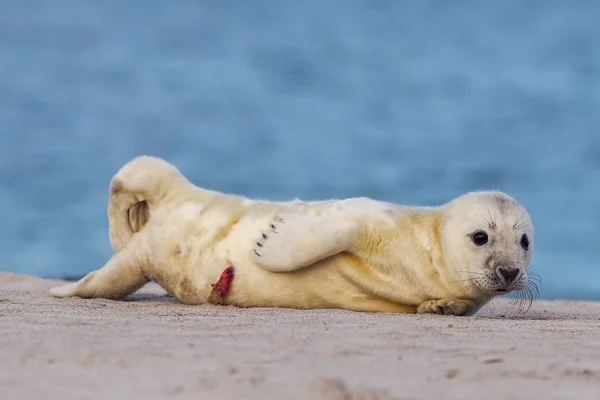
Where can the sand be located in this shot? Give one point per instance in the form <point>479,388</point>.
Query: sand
<point>151,347</point>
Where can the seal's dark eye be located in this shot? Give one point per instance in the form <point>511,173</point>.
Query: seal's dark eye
<point>525,241</point>
<point>479,238</point>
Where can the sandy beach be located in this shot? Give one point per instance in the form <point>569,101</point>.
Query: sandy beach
<point>151,347</point>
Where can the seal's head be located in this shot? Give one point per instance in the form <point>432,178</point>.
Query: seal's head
<point>487,239</point>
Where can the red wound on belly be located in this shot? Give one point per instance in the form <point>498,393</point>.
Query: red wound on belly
<point>221,288</point>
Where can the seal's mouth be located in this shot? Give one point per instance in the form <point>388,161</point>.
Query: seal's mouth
<point>502,291</point>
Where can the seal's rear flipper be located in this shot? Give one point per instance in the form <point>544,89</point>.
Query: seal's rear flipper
<point>119,278</point>
<point>134,190</point>
<point>67,290</point>
<point>294,241</point>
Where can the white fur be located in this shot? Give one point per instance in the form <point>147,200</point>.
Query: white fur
<point>295,240</point>
<point>358,254</point>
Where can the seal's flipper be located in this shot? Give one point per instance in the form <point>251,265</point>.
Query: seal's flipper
<point>448,307</point>
<point>294,241</point>
<point>134,189</point>
<point>120,277</point>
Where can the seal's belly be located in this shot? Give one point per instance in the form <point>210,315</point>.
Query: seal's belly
<point>198,275</point>
<point>192,248</point>
<point>322,285</point>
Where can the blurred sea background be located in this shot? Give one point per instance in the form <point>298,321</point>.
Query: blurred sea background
<point>403,101</point>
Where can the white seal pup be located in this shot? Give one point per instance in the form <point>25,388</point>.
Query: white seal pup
<point>358,254</point>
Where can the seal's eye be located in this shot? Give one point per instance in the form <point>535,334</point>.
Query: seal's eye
<point>525,241</point>
<point>479,238</point>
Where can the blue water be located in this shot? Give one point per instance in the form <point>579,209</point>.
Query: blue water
<point>404,101</point>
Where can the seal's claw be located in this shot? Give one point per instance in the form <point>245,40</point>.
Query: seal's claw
<point>283,246</point>
<point>292,241</point>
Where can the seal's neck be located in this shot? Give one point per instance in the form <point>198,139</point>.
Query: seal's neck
<point>411,253</point>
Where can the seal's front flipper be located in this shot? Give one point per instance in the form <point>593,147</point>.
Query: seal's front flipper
<point>448,307</point>
<point>294,241</point>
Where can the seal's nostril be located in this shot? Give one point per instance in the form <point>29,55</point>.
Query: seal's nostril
<point>508,274</point>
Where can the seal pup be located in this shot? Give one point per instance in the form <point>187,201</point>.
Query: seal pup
<point>359,254</point>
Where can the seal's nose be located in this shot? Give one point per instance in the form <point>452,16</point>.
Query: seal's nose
<point>508,274</point>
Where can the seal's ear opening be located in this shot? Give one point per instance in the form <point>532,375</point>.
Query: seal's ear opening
<point>138,214</point>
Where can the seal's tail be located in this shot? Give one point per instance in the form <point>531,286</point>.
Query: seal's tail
<point>134,190</point>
